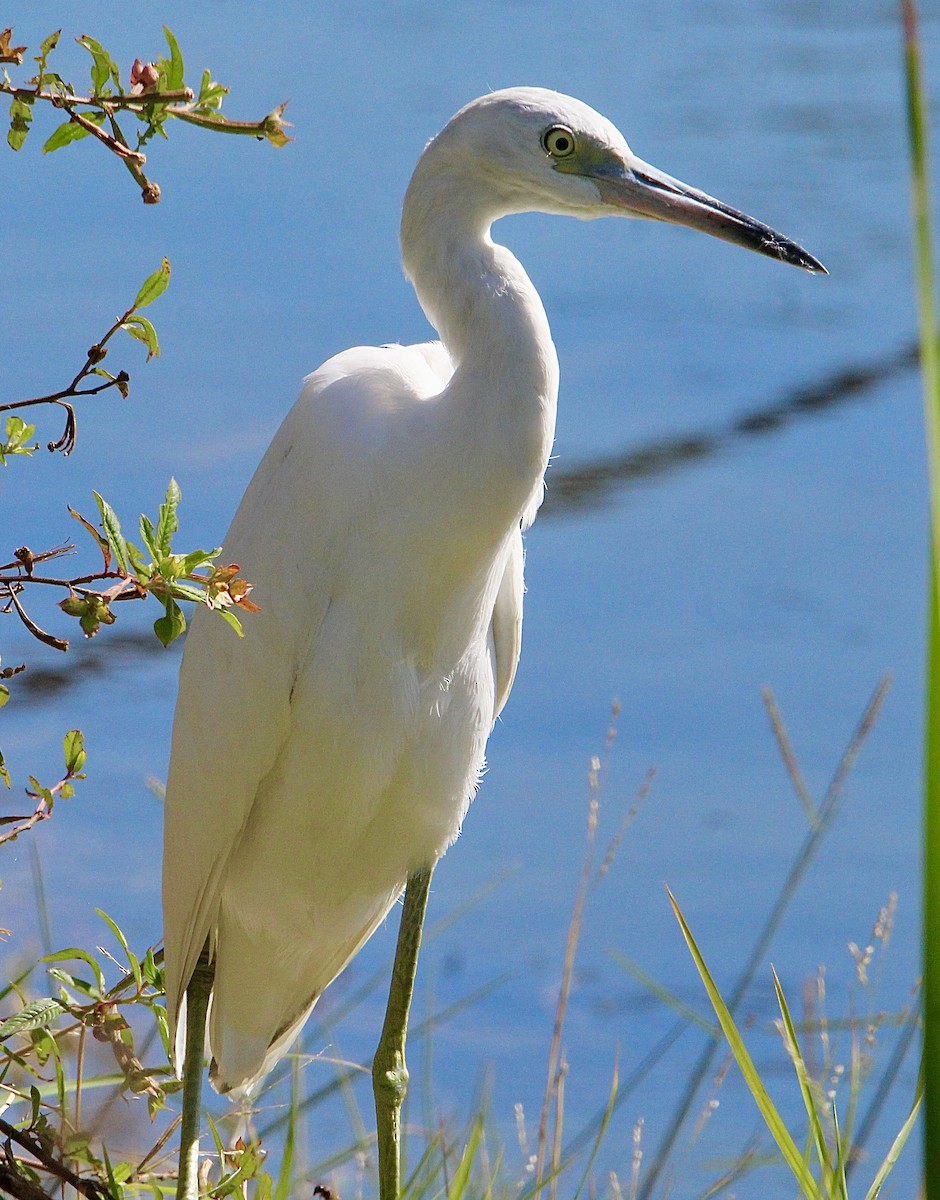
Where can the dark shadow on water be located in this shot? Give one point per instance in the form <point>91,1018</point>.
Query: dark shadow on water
<point>109,654</point>
<point>588,487</point>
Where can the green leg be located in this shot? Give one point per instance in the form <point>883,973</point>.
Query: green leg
<point>389,1072</point>
<point>197,1004</point>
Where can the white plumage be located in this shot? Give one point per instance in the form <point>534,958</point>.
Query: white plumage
<point>335,749</point>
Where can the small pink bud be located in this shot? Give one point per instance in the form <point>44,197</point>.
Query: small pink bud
<point>144,75</point>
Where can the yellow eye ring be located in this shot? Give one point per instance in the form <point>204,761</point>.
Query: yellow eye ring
<point>558,141</point>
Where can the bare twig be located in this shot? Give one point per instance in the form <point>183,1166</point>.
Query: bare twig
<point>48,639</point>
<point>66,443</point>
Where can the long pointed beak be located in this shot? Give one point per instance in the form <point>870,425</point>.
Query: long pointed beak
<point>644,191</point>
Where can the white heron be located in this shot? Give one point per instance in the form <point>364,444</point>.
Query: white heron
<point>331,756</point>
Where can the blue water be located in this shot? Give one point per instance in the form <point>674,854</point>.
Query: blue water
<point>792,557</point>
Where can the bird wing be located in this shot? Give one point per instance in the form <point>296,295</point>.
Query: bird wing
<point>234,709</point>
<point>506,626</point>
<point>232,717</point>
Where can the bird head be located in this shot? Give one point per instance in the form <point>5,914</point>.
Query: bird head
<point>538,150</point>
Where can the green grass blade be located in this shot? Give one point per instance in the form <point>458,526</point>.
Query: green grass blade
<point>772,1119</point>
<point>410,1189</point>
<point>897,1145</point>
<point>664,995</point>
<point>839,1188</point>
<point>806,1087</point>
<point>826,814</point>
<point>611,1101</point>
<point>282,1189</point>
<point>461,1180</point>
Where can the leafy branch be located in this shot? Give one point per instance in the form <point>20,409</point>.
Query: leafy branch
<point>156,91</point>
<point>16,439</point>
<point>73,745</point>
<point>168,576</point>
<point>53,1030</point>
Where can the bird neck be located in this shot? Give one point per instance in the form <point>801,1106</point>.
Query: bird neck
<point>489,316</point>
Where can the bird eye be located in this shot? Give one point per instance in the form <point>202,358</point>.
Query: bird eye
<point>558,141</point>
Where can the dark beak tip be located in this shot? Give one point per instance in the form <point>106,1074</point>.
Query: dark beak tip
<point>813,265</point>
<point>796,256</point>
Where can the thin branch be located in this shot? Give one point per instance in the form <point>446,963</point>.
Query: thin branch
<point>33,1144</point>
<point>51,580</point>
<point>48,639</point>
<point>115,146</point>
<point>66,443</point>
<point>41,813</point>
<point>71,390</point>
<point>272,123</point>
<point>19,1186</point>
<point>132,102</point>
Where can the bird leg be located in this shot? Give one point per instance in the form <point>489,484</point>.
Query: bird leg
<point>389,1072</point>
<point>197,1006</point>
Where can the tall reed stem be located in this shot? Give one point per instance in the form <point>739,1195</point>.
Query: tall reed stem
<point>930,370</point>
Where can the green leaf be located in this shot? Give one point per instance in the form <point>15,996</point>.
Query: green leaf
<point>174,68</point>
<point>137,560</point>
<point>154,285</point>
<point>186,591</point>
<point>230,619</point>
<point>68,132</point>
<point>198,558</point>
<point>75,756</point>
<point>21,113</point>
<point>112,531</point>
<point>163,1027</point>
<point>47,46</point>
<point>72,981</point>
<point>152,973</point>
<point>167,522</point>
<point>112,1181</point>
<point>211,93</point>
<point>17,436</point>
<point>169,627</point>
<point>40,792</point>
<point>103,66</point>
<point>73,953</point>
<point>148,535</point>
<point>102,542</point>
<point>4,697</point>
<point>132,959</point>
<point>45,49</point>
<point>37,1015</point>
<point>141,329</point>
<point>772,1119</point>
